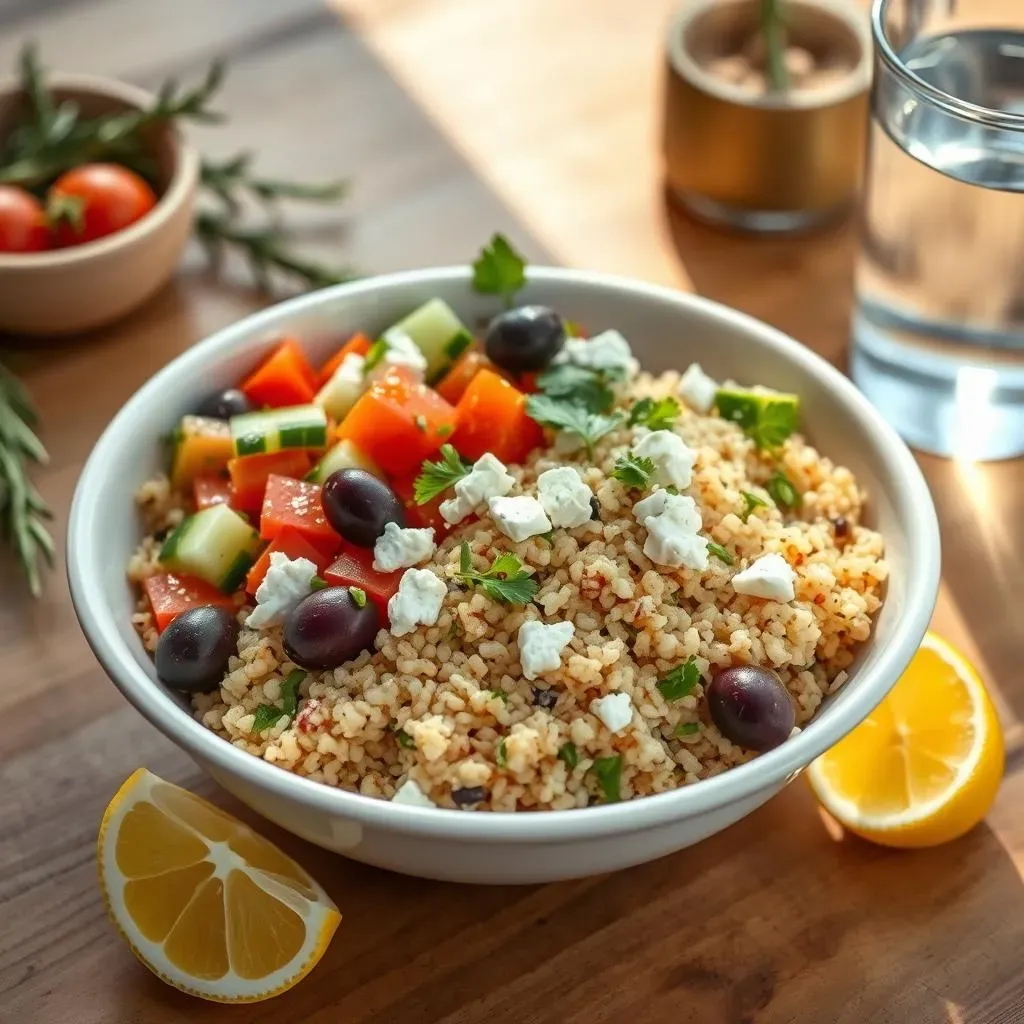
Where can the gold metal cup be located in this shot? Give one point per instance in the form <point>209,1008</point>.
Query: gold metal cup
<point>777,162</point>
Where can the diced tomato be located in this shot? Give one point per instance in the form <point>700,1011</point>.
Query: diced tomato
<point>399,422</point>
<point>170,594</point>
<point>354,568</point>
<point>527,382</point>
<point>492,418</point>
<point>211,490</point>
<point>358,344</point>
<point>422,516</point>
<point>249,474</point>
<point>286,378</point>
<point>453,384</point>
<point>291,543</point>
<point>296,504</point>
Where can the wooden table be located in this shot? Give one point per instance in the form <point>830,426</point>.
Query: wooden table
<point>453,119</point>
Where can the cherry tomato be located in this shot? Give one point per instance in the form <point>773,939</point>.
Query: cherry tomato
<point>22,221</point>
<point>108,198</point>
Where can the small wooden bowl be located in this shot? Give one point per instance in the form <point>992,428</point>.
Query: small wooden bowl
<point>65,291</point>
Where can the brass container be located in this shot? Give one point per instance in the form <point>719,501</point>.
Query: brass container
<point>775,162</point>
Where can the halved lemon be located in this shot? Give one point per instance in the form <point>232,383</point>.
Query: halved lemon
<point>925,765</point>
<point>204,902</point>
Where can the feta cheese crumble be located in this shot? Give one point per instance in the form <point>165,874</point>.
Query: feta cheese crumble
<point>410,793</point>
<point>398,548</point>
<point>673,530</point>
<point>565,497</point>
<point>342,391</point>
<point>673,459</point>
<point>697,388</point>
<point>615,710</point>
<point>487,479</point>
<point>417,603</point>
<point>541,646</point>
<point>608,351</point>
<point>400,351</point>
<point>769,576</point>
<point>287,582</point>
<point>520,517</point>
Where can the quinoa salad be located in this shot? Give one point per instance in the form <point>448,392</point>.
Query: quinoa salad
<point>507,573</point>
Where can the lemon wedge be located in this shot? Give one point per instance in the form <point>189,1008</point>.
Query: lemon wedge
<point>925,765</point>
<point>204,902</point>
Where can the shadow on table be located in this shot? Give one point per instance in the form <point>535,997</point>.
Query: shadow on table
<point>774,920</point>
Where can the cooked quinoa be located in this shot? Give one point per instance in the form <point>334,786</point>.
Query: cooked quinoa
<point>447,706</point>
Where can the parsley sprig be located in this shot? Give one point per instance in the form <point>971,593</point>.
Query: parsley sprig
<point>588,426</point>
<point>767,418</point>
<point>608,771</point>
<point>680,681</point>
<point>719,552</point>
<point>505,580</point>
<point>635,471</point>
<point>783,491</point>
<point>268,714</point>
<point>655,414</point>
<point>436,477</point>
<point>499,270</point>
<point>750,502</point>
<point>580,385</point>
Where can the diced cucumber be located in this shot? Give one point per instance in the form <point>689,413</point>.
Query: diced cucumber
<point>216,544</point>
<point>342,391</point>
<point>344,455</point>
<point>440,335</point>
<point>298,426</point>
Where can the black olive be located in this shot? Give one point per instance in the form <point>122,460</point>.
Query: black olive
<point>225,404</point>
<point>329,628</point>
<point>469,795</point>
<point>359,505</point>
<point>595,509</point>
<point>524,339</point>
<point>841,530</point>
<point>544,698</point>
<point>751,707</point>
<point>193,651</point>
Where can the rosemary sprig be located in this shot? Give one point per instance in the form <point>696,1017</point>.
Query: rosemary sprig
<point>773,29</point>
<point>22,509</point>
<point>233,179</point>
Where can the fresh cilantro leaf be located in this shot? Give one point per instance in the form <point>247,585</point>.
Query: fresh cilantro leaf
<point>660,414</point>
<point>609,774</point>
<point>405,741</point>
<point>783,491</point>
<point>686,729</point>
<point>767,418</point>
<point>374,355</point>
<point>501,755</point>
<point>580,385</point>
<point>750,502</point>
<point>499,270</point>
<point>590,427</point>
<point>318,583</point>
<point>290,692</point>
<point>266,716</point>
<point>719,552</point>
<point>634,471</point>
<point>358,596</point>
<point>436,477</point>
<point>567,753</point>
<point>505,580</point>
<point>680,681</point>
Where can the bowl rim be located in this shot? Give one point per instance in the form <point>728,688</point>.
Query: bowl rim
<point>182,184</point>
<point>768,770</point>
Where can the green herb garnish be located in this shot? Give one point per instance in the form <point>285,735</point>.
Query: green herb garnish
<point>634,471</point>
<point>504,581</point>
<point>405,741</point>
<point>567,753</point>
<point>436,477</point>
<point>499,695</point>
<point>290,691</point>
<point>783,491</point>
<point>686,729</point>
<point>609,775</point>
<point>375,355</point>
<point>719,552</point>
<point>589,427</point>
<point>750,502</point>
<point>318,583</point>
<point>767,418</point>
<point>499,270</point>
<point>501,755</point>
<point>655,414</point>
<point>680,681</point>
<point>580,385</point>
<point>266,716</point>
<point>358,596</point>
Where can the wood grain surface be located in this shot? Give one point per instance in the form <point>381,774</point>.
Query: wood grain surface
<point>454,118</point>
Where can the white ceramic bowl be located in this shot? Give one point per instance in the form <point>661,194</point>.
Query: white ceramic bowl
<point>667,329</point>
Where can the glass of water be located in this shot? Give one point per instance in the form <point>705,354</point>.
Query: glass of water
<point>938,327</point>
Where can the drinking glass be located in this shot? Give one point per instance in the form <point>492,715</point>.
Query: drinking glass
<point>938,325</point>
